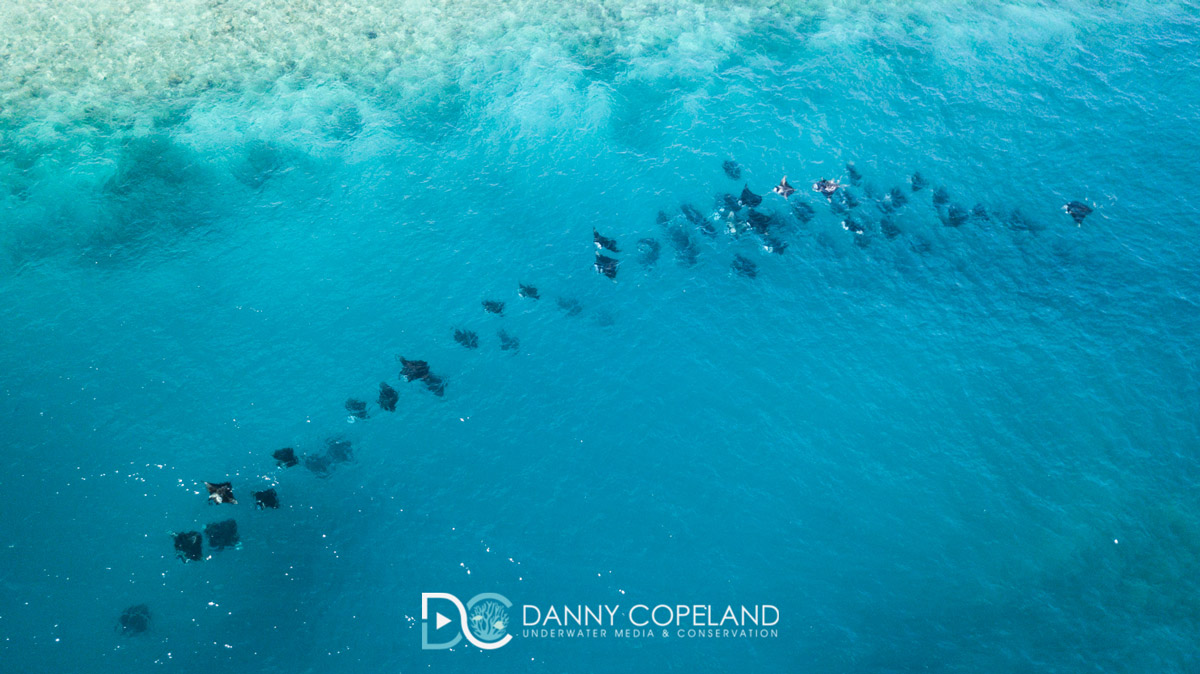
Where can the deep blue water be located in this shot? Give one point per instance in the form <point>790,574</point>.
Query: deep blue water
<point>967,449</point>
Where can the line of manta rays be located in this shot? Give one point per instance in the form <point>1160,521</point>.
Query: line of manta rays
<point>739,216</point>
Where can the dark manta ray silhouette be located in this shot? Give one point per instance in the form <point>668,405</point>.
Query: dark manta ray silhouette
<point>1078,211</point>
<point>956,216</point>
<point>134,620</point>
<point>749,198</point>
<point>774,244</point>
<point>686,251</point>
<point>1021,222</point>
<point>435,384</point>
<point>572,307</point>
<point>419,369</point>
<point>189,546</point>
<point>853,174</point>
<point>693,214</point>
<point>941,197</point>
<point>319,464</point>
<point>222,534</point>
<point>803,211</point>
<point>467,338</point>
<point>887,225</point>
<point>783,189</point>
<point>356,408</point>
<point>727,203</point>
<point>508,342</point>
<point>759,222</point>
<point>220,492</point>
<point>266,499</point>
<point>727,211</point>
<point>826,187</point>
<point>895,199</point>
<point>527,291</point>
<point>731,169</point>
<point>918,182</point>
<point>744,266</point>
<point>606,265</point>
<point>285,457</point>
<point>339,449</point>
<point>604,242</point>
<point>493,307</point>
<point>413,369</point>
<point>648,250</point>
<point>388,397</point>
<point>697,218</point>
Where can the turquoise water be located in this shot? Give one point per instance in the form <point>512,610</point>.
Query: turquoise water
<point>967,449</point>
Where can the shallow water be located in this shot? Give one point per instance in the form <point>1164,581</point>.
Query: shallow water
<point>959,450</point>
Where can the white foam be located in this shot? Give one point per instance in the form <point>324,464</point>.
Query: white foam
<point>359,77</point>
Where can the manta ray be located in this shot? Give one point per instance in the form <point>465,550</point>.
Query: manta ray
<point>266,499</point>
<point>222,534</point>
<point>387,397</point>
<point>731,169</point>
<point>285,458</point>
<point>467,338</point>
<point>1078,211</point>
<point>749,198</point>
<point>826,187</point>
<point>135,620</point>
<point>220,492</point>
<point>604,242</point>
<point>606,265</point>
<point>356,408</point>
<point>413,369</point>
<point>189,546</point>
<point>918,182</point>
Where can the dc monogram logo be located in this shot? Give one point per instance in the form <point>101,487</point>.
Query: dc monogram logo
<point>483,620</point>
